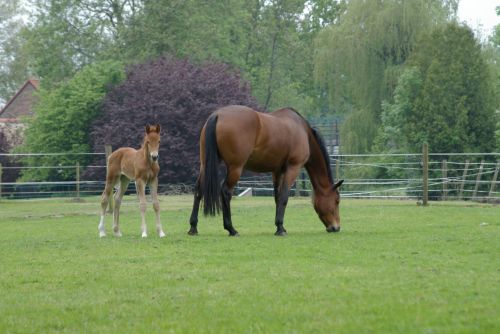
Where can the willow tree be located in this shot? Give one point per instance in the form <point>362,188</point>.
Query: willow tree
<point>358,59</point>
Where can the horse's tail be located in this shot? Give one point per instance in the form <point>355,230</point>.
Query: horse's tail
<point>211,185</point>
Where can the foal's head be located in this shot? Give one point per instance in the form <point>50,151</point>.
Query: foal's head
<point>327,207</point>
<point>152,141</point>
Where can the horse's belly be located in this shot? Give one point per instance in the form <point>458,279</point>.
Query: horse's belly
<point>258,162</point>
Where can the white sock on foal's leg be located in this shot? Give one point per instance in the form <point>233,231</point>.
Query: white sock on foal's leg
<point>102,230</point>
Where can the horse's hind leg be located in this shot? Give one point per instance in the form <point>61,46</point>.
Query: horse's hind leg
<point>233,175</point>
<point>156,206</point>
<point>193,221</point>
<point>124,181</point>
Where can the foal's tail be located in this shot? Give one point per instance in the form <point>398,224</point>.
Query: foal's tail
<point>211,188</point>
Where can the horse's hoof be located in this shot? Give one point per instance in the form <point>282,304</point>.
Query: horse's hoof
<point>118,234</point>
<point>102,234</point>
<point>280,234</point>
<point>234,234</point>
<point>190,232</point>
<point>162,234</point>
<point>144,235</point>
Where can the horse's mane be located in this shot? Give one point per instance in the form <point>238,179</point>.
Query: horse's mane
<point>321,144</point>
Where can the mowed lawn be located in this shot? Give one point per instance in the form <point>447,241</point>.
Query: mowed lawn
<point>394,268</point>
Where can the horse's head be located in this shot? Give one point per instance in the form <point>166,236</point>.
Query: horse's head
<point>327,207</point>
<point>152,141</point>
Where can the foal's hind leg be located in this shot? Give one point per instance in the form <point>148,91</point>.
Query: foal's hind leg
<point>105,199</point>
<point>193,221</point>
<point>124,181</point>
<point>233,175</point>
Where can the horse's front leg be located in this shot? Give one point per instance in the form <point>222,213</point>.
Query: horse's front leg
<point>193,220</point>
<point>282,198</point>
<point>141,193</point>
<point>156,206</point>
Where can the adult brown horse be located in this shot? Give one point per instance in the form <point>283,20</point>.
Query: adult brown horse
<point>141,165</point>
<point>280,142</point>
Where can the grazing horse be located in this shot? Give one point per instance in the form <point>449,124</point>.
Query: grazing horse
<point>280,142</point>
<point>141,165</point>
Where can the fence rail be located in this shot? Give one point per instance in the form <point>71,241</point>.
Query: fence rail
<point>448,176</point>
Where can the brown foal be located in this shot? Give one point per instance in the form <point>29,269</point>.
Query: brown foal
<point>126,164</point>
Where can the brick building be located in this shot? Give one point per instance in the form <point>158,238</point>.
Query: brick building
<point>19,106</point>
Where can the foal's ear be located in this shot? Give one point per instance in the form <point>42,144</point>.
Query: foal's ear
<point>338,184</point>
<point>148,128</point>
<point>158,128</point>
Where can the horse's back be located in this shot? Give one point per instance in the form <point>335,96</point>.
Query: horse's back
<point>261,142</point>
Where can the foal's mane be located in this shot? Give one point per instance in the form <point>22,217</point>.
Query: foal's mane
<point>321,144</point>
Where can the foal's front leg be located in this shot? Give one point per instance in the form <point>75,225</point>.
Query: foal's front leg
<point>141,192</point>
<point>156,206</point>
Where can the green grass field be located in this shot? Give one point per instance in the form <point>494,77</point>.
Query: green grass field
<point>394,268</point>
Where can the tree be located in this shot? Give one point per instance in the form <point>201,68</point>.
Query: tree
<point>68,35</point>
<point>63,117</point>
<point>13,64</point>
<point>454,109</point>
<point>177,94</point>
<point>359,58</point>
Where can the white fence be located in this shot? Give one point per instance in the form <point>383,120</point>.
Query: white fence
<point>450,176</point>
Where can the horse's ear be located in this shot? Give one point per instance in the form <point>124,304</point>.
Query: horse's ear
<point>338,184</point>
<point>158,128</point>
<point>148,129</point>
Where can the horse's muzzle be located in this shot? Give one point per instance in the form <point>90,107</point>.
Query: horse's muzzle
<point>154,157</point>
<point>333,229</point>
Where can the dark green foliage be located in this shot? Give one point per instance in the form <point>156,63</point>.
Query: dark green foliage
<point>63,117</point>
<point>175,93</point>
<point>454,110</point>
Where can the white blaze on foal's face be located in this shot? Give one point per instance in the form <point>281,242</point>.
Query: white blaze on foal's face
<point>153,141</point>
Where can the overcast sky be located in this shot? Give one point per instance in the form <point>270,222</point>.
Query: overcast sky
<point>480,15</point>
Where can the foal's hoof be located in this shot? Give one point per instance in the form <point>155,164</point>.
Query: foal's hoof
<point>162,234</point>
<point>102,234</point>
<point>234,234</point>
<point>280,233</point>
<point>193,231</point>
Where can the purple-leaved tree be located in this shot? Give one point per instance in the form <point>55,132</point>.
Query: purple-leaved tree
<point>177,94</point>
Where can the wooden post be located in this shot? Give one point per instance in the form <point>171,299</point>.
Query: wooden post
<point>478,178</point>
<point>490,194</point>
<point>425,176</point>
<point>337,168</point>
<point>445,180</point>
<point>108,150</point>
<point>464,176</point>
<point>78,180</point>
<point>0,181</point>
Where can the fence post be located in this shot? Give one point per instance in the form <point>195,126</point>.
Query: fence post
<point>425,176</point>
<point>108,150</point>
<point>464,176</point>
<point>490,194</point>
<point>78,180</point>
<point>0,181</point>
<point>445,180</point>
<point>478,178</point>
<point>337,168</point>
